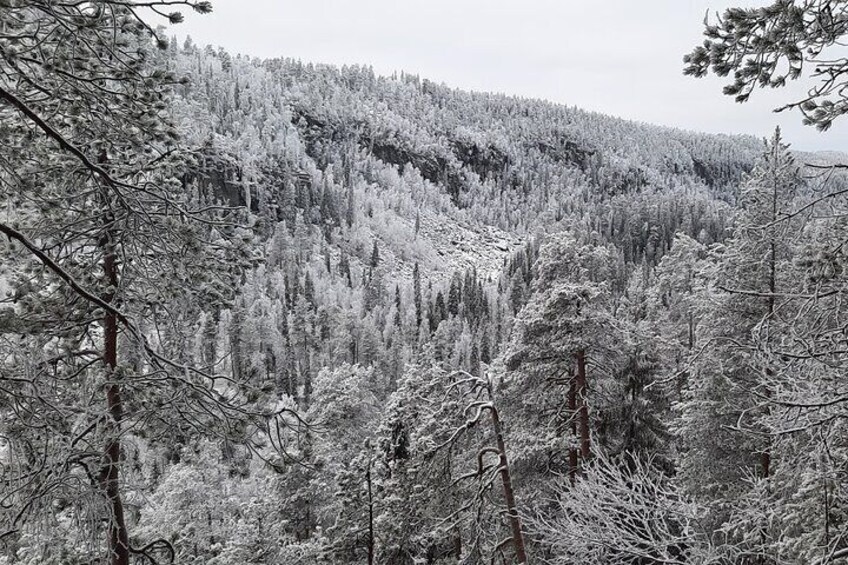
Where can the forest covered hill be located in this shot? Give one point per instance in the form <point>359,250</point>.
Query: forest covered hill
<point>486,328</point>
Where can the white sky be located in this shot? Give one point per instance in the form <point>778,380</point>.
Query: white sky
<point>619,57</point>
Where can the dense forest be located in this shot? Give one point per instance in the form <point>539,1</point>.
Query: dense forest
<point>269,312</point>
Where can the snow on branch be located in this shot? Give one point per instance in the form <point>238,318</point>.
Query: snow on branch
<point>623,510</point>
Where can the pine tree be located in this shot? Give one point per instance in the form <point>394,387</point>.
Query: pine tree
<point>564,327</point>
<point>375,256</point>
<point>349,211</point>
<point>416,289</point>
<point>726,400</point>
<point>454,295</point>
<point>441,311</point>
<point>115,246</point>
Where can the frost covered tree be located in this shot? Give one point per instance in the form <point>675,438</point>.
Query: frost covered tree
<point>444,446</point>
<point>564,327</point>
<point>477,400</point>
<point>110,252</point>
<point>293,305</point>
<point>724,440</point>
<point>624,511</point>
<point>344,412</point>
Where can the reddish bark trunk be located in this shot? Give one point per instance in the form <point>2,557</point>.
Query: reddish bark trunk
<point>572,448</point>
<point>509,493</point>
<point>583,413</point>
<point>370,517</point>
<point>119,545</point>
<point>118,538</point>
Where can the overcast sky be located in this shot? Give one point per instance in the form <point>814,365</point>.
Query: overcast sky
<point>619,57</point>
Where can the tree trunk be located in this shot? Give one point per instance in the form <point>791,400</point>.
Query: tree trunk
<point>582,398</point>
<point>509,494</point>
<point>572,448</point>
<point>765,456</point>
<point>119,546</point>
<point>370,516</point>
